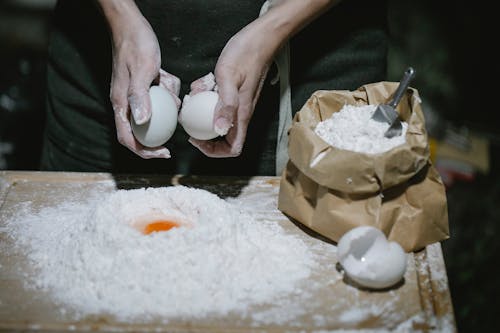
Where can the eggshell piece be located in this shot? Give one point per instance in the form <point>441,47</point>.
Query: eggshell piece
<point>197,115</point>
<point>369,259</point>
<point>160,128</point>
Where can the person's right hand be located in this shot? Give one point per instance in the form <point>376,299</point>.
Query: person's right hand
<point>136,65</point>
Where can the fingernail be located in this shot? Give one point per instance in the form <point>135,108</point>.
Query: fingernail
<point>222,126</point>
<point>138,111</point>
<point>140,115</point>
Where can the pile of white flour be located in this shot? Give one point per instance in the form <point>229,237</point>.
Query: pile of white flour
<point>91,260</point>
<point>352,129</point>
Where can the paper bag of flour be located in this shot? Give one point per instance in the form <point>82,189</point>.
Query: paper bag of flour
<point>332,190</point>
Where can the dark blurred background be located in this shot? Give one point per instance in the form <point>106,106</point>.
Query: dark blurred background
<point>447,42</point>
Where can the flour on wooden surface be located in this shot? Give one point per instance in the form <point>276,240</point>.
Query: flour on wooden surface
<point>91,260</point>
<point>352,128</point>
<point>234,263</point>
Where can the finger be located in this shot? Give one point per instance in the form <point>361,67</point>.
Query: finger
<point>138,93</point>
<point>229,146</point>
<point>226,109</point>
<point>170,82</point>
<point>118,90</point>
<point>127,139</point>
<point>118,96</point>
<point>123,129</point>
<point>204,83</point>
<point>217,149</point>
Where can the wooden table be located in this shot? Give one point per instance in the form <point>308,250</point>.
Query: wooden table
<point>422,303</point>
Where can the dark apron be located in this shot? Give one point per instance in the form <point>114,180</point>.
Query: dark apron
<point>343,49</point>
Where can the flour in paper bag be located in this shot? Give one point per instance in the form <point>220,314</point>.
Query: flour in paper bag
<point>89,259</point>
<point>352,129</point>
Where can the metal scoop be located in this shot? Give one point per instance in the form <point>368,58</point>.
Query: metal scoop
<point>387,112</point>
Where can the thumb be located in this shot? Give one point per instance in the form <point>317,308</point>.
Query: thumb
<point>138,97</point>
<point>226,109</point>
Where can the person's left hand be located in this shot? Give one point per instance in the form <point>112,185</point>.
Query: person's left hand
<point>239,73</point>
<point>242,68</point>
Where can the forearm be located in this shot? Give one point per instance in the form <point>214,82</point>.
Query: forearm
<point>286,17</point>
<point>117,12</point>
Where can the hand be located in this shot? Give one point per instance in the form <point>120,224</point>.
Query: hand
<point>240,73</point>
<point>136,65</point>
<point>243,65</point>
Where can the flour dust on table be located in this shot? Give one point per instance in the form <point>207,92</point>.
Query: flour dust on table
<point>172,252</point>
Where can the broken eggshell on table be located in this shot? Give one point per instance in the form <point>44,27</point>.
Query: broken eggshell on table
<point>369,259</point>
<point>161,126</point>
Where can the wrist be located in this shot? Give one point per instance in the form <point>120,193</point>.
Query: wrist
<point>118,12</point>
<point>285,18</point>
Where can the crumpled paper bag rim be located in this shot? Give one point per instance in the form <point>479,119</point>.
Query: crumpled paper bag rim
<point>354,172</point>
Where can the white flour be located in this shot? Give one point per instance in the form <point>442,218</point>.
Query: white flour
<point>353,129</point>
<point>90,259</point>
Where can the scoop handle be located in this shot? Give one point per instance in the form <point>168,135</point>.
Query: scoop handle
<point>403,85</point>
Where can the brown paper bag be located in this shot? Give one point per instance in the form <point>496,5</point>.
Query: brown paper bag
<point>398,191</point>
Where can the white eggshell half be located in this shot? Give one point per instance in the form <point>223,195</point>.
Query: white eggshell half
<point>369,259</point>
<point>197,115</point>
<point>160,128</point>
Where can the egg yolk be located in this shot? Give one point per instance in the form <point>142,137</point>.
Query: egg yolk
<point>157,226</point>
